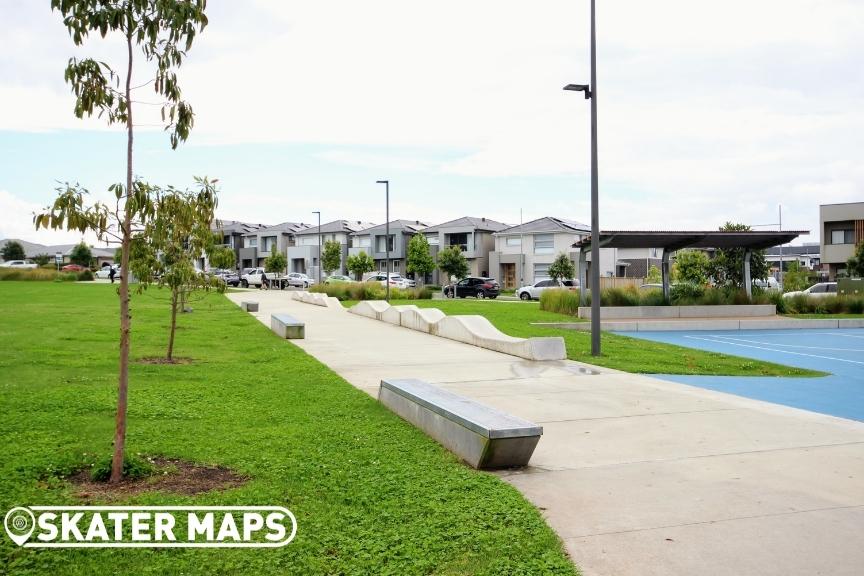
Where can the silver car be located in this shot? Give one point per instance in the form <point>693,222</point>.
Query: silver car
<point>820,290</point>
<point>533,291</point>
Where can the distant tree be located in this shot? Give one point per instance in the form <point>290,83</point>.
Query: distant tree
<point>81,255</point>
<point>12,250</point>
<point>562,268</point>
<point>162,31</point>
<point>654,275</point>
<point>42,259</point>
<point>727,267</point>
<point>855,264</point>
<point>795,277</point>
<point>359,264</point>
<point>452,262</point>
<point>420,261</point>
<point>693,266</point>
<point>276,262</point>
<point>331,257</point>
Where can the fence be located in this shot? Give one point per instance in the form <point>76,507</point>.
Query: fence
<point>610,282</point>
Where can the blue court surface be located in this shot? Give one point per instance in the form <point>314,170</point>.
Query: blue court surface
<point>837,351</point>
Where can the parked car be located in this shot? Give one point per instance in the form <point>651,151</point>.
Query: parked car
<point>300,280</point>
<point>337,279</point>
<point>228,276</point>
<point>19,264</point>
<point>396,281</point>
<point>473,286</point>
<point>820,290</point>
<point>105,272</point>
<point>533,291</point>
<point>769,283</point>
<point>251,277</point>
<point>73,268</point>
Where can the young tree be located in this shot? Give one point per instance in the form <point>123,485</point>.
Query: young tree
<point>163,31</point>
<point>359,264</point>
<point>12,250</point>
<point>795,278</point>
<point>42,259</point>
<point>727,267</point>
<point>855,264</point>
<point>693,266</point>
<point>562,268</point>
<point>452,262</point>
<point>331,257</point>
<point>276,262</point>
<point>172,241</point>
<point>654,275</point>
<point>81,255</point>
<point>222,257</point>
<point>420,261</point>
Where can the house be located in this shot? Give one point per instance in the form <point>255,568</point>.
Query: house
<point>807,255</point>
<point>374,241</point>
<point>842,229</point>
<point>233,233</point>
<point>523,253</point>
<point>303,256</point>
<point>101,256</point>
<point>260,243</point>
<point>474,236</point>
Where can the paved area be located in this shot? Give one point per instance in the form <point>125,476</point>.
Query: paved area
<point>714,323</point>
<point>838,351</point>
<point>637,475</point>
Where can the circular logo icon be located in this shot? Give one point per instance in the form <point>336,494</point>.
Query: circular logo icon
<point>19,523</point>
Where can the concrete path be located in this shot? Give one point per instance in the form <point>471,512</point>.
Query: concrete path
<point>637,475</point>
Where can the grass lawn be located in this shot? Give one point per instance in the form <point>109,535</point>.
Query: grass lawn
<point>619,352</point>
<point>372,495</point>
<point>823,316</point>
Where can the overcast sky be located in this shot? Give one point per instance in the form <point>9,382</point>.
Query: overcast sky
<point>708,111</point>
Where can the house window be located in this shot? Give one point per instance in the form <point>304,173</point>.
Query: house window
<point>396,265</point>
<point>460,239</point>
<point>514,241</point>
<point>843,236</point>
<point>544,244</point>
<point>379,243</point>
<point>309,240</point>
<point>269,243</point>
<point>433,240</point>
<point>541,271</point>
<point>252,242</point>
<point>362,241</point>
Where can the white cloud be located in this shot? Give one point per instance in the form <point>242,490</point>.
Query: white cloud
<point>17,222</point>
<point>713,109</point>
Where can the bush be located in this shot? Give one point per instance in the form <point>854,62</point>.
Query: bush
<point>620,297</point>
<point>86,275</point>
<point>134,467</point>
<point>370,291</point>
<point>561,301</point>
<point>686,293</point>
<point>856,305</point>
<point>36,275</point>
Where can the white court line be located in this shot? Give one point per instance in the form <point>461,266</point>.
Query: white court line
<point>775,350</point>
<point>790,345</point>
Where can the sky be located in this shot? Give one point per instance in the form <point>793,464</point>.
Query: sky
<point>708,112</point>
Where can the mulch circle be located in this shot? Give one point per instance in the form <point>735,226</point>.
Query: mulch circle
<point>171,475</point>
<point>163,360</point>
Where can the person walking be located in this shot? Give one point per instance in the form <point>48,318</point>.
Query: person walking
<point>263,282</point>
<point>112,273</point>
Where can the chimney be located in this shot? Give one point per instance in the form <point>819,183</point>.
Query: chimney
<point>418,222</point>
<point>484,219</point>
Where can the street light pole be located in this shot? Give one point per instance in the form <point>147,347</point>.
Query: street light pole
<point>319,245</point>
<point>591,93</point>
<point>386,234</point>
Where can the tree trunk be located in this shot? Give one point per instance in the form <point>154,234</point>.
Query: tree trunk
<point>125,320</point>
<point>174,302</point>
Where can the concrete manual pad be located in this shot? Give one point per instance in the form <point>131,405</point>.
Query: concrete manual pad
<point>639,476</point>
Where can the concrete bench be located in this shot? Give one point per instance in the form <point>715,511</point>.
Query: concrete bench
<point>287,326</point>
<point>481,436</point>
<point>249,306</point>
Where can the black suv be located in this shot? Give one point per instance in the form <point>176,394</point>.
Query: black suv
<point>471,286</point>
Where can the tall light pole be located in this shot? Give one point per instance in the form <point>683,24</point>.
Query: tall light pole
<point>319,245</point>
<point>591,93</point>
<point>386,233</point>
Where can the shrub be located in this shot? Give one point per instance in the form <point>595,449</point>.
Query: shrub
<point>370,291</point>
<point>653,298</point>
<point>620,296</point>
<point>856,305</point>
<point>685,293</point>
<point>86,275</point>
<point>134,467</point>
<point>834,304</point>
<point>781,303</point>
<point>36,275</point>
<point>561,301</point>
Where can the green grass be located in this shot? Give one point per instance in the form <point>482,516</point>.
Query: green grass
<point>822,316</point>
<point>372,494</point>
<point>619,352</point>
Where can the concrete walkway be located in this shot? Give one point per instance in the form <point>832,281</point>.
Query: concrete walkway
<point>637,475</point>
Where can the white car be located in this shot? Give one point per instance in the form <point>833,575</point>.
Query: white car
<point>251,277</point>
<point>299,280</point>
<point>820,290</point>
<point>396,281</point>
<point>29,264</point>
<point>533,291</point>
<point>769,283</point>
<point>105,271</point>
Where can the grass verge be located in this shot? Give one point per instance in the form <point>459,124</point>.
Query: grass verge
<point>619,352</point>
<point>372,495</point>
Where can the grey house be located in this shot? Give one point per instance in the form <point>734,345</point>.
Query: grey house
<point>259,244</point>
<point>303,255</point>
<point>474,236</point>
<point>374,242</point>
<point>233,233</point>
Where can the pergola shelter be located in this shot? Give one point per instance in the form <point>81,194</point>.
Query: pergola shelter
<point>670,242</point>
